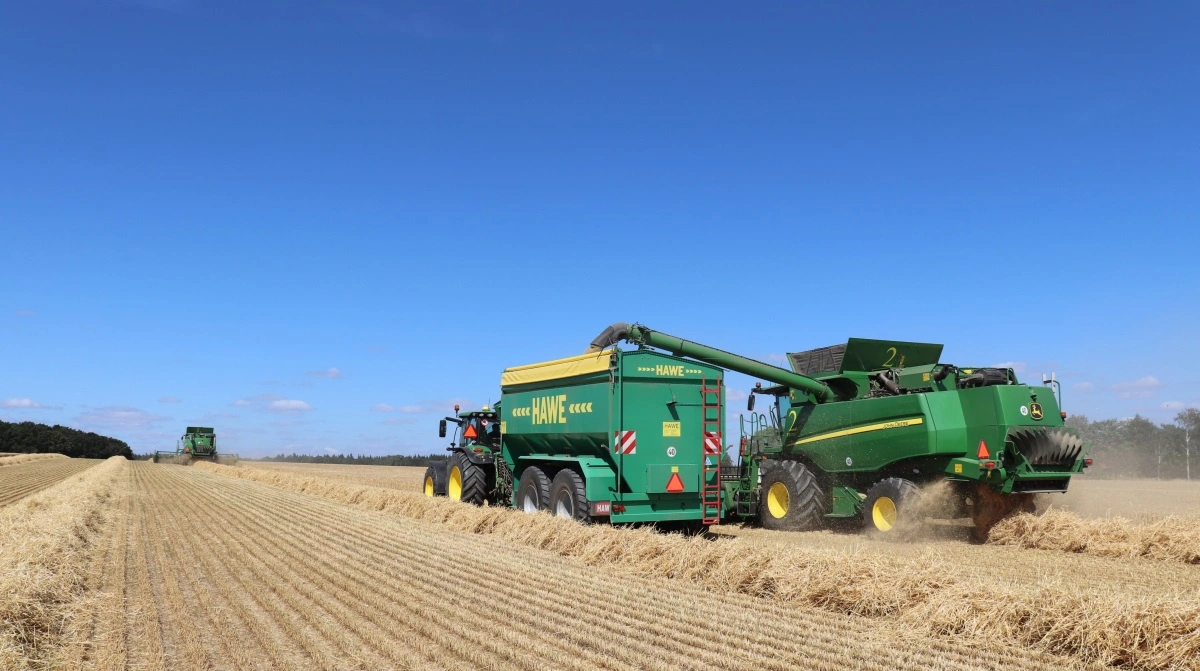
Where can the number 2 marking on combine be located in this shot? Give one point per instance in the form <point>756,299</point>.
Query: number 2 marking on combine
<point>888,363</point>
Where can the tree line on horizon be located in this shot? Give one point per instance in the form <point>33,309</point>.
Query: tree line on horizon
<point>1138,448</point>
<point>31,437</point>
<point>362,459</point>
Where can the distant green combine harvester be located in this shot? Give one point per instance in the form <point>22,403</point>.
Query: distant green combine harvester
<point>198,442</point>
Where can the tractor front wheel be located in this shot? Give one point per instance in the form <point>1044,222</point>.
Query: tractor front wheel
<point>888,505</point>
<point>466,481</point>
<point>435,479</point>
<point>790,498</point>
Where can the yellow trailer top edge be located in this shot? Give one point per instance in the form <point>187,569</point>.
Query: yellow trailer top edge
<point>557,369</point>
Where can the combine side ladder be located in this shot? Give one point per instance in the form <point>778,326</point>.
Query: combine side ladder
<point>710,474</point>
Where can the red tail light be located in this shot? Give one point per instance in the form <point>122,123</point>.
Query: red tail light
<point>1087,462</point>
<point>989,465</point>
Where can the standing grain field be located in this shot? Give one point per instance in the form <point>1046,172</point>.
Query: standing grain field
<point>403,478</point>
<point>28,476</point>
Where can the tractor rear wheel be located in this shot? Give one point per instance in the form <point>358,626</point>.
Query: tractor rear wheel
<point>791,498</point>
<point>533,490</point>
<point>466,481</point>
<point>884,510</point>
<point>568,497</point>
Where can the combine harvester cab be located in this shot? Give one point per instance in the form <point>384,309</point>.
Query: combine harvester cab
<point>197,443</point>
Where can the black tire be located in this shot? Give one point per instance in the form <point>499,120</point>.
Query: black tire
<point>886,503</point>
<point>154,458</point>
<point>568,497</point>
<point>434,483</point>
<point>790,498</point>
<point>533,490</point>
<point>472,486</point>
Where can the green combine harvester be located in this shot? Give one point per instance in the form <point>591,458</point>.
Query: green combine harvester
<point>197,443</point>
<point>854,431</point>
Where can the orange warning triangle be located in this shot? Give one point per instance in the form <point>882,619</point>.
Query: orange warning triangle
<point>470,432</point>
<point>983,451</point>
<point>675,484</point>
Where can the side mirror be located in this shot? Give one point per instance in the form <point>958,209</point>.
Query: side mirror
<point>750,404</point>
<point>442,428</point>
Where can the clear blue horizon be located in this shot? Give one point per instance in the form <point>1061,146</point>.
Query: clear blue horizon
<point>317,226</point>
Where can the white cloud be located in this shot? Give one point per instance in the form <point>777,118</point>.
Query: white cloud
<point>331,374</point>
<point>170,399</point>
<point>1143,387</point>
<point>733,394</point>
<point>242,403</point>
<point>1083,386</point>
<point>382,407</point>
<point>24,313</point>
<point>120,417</point>
<point>777,359</point>
<point>288,406</point>
<point>1017,366</point>
<point>1180,405</point>
<point>1146,382</point>
<point>21,403</point>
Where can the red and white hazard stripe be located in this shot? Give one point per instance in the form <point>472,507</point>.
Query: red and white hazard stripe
<point>626,442</point>
<point>712,443</point>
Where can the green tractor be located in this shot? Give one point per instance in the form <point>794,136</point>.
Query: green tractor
<point>469,474</point>
<point>197,443</point>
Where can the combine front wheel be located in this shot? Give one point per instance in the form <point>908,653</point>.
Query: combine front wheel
<point>791,498</point>
<point>883,511</point>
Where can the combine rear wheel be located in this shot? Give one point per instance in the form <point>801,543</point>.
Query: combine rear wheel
<point>887,501</point>
<point>466,481</point>
<point>533,490</point>
<point>790,499</point>
<point>568,497</point>
<point>435,479</point>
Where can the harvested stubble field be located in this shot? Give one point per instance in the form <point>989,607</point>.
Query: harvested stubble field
<point>26,474</point>
<point>404,478</point>
<point>218,567</point>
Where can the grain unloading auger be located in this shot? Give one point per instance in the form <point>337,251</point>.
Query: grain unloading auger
<point>857,430</point>
<point>198,443</point>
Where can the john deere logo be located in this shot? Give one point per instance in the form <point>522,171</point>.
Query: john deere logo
<point>1035,410</point>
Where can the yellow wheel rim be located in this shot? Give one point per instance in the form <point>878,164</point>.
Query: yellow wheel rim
<point>428,486</point>
<point>883,513</point>
<point>778,499</point>
<point>454,484</point>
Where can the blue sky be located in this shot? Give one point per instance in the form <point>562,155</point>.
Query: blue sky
<point>317,225</point>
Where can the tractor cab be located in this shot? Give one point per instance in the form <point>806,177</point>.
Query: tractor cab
<point>476,430</point>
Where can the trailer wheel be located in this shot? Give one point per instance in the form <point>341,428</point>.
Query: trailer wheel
<point>568,497</point>
<point>533,490</point>
<point>883,510</point>
<point>791,498</point>
<point>465,481</point>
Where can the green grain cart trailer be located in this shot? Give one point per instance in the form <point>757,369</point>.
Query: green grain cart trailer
<point>631,436</point>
